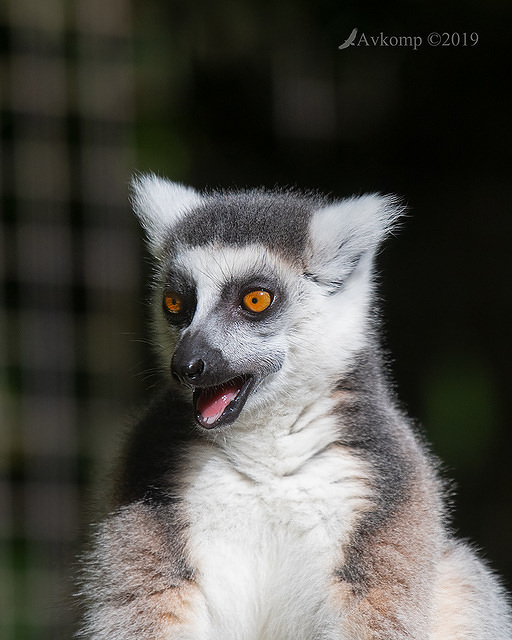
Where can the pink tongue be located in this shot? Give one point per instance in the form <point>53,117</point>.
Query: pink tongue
<point>213,402</point>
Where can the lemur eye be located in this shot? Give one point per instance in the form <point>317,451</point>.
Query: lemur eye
<point>173,302</point>
<point>257,300</point>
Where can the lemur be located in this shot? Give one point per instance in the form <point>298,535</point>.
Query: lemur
<point>274,489</point>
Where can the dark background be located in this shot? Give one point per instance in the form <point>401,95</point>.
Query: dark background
<point>241,93</point>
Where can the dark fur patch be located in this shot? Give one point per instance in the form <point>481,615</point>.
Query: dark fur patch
<point>150,470</point>
<point>153,452</point>
<point>375,431</point>
<point>275,219</point>
<point>399,539</point>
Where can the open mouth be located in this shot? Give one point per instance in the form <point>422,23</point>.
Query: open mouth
<point>221,404</point>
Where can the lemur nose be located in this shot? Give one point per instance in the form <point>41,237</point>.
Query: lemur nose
<point>188,371</point>
<point>194,369</point>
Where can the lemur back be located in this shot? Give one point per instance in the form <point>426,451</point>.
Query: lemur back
<point>273,490</point>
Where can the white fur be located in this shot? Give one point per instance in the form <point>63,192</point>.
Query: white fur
<point>470,603</point>
<point>159,204</point>
<point>267,514</point>
<point>347,229</point>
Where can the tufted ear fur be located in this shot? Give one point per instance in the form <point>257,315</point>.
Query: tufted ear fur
<point>159,204</point>
<point>341,234</point>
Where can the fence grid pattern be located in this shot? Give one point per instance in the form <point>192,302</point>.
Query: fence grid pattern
<point>69,286</point>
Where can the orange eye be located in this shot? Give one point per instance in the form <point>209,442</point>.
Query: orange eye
<point>257,301</point>
<point>172,302</point>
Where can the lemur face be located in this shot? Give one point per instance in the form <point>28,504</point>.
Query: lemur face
<point>229,310</point>
<point>258,293</point>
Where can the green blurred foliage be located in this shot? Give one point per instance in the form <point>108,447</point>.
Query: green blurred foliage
<point>461,410</point>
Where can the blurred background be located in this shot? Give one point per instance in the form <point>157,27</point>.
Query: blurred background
<point>240,93</point>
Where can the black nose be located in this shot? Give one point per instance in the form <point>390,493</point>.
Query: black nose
<point>187,371</point>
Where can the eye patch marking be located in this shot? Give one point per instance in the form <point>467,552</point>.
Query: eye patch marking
<point>178,300</point>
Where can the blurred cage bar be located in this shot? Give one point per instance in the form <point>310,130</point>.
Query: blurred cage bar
<point>70,285</point>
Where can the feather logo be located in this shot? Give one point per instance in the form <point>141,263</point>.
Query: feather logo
<point>349,40</point>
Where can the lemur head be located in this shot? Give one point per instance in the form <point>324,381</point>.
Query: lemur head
<point>262,297</point>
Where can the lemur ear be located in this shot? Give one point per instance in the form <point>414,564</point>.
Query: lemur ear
<point>343,233</point>
<point>159,204</point>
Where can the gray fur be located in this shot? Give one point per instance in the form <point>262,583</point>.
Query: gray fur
<point>276,220</point>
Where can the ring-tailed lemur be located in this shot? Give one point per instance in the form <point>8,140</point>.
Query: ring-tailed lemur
<point>274,490</point>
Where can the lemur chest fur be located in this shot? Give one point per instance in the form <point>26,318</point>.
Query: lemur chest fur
<point>264,539</point>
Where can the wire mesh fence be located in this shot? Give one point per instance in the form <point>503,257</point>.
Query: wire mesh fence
<point>69,283</point>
